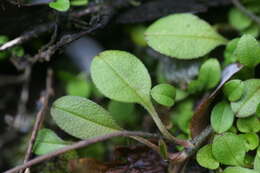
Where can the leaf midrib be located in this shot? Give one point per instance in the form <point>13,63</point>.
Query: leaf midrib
<point>85,118</point>
<point>188,36</point>
<point>124,81</point>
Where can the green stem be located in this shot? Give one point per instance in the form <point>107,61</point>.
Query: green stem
<point>150,108</point>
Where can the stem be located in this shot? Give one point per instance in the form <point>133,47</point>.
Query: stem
<point>77,145</point>
<point>164,131</point>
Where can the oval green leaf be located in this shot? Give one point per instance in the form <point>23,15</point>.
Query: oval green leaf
<point>222,117</point>
<point>229,149</point>
<point>164,94</point>
<point>60,5</point>
<point>206,159</point>
<point>239,170</point>
<point>247,105</point>
<point>82,118</point>
<point>47,141</point>
<point>234,90</point>
<point>252,140</point>
<point>121,76</point>
<point>183,36</point>
<point>249,124</point>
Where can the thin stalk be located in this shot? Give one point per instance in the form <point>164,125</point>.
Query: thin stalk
<point>164,131</point>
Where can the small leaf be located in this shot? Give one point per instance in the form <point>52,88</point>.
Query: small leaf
<point>239,20</point>
<point>122,77</point>
<point>229,149</point>
<point>248,51</point>
<point>257,160</point>
<point>206,159</point>
<point>252,140</point>
<point>60,5</point>
<point>47,141</point>
<point>183,36</point>
<point>222,117</point>
<point>79,86</point>
<point>82,118</point>
<point>78,2</point>
<point>247,105</point>
<point>229,51</point>
<point>249,124</point>
<point>239,170</point>
<point>164,94</point>
<point>234,90</point>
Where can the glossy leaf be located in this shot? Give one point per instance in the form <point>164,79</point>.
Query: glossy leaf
<point>164,94</point>
<point>229,149</point>
<point>121,76</point>
<point>234,90</point>
<point>249,124</point>
<point>247,105</point>
<point>206,159</point>
<point>60,5</point>
<point>222,117</point>
<point>82,118</point>
<point>183,36</point>
<point>47,141</point>
<point>239,170</point>
<point>248,51</point>
<point>252,140</point>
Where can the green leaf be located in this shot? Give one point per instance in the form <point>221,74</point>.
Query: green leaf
<point>247,105</point>
<point>137,35</point>
<point>3,39</point>
<point>123,113</point>
<point>252,140</point>
<point>257,160</point>
<point>47,141</point>
<point>183,36</point>
<point>206,159</point>
<point>248,51</point>
<point>229,51</point>
<point>122,77</point>
<point>229,149</point>
<point>234,90</point>
<point>79,87</point>
<point>222,117</point>
<point>60,5</point>
<point>82,118</point>
<point>78,2</point>
<point>164,94</point>
<point>239,170</point>
<point>249,124</point>
<point>239,20</point>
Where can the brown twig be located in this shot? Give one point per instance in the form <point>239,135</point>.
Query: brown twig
<point>27,36</point>
<point>78,145</point>
<point>40,115</point>
<point>246,11</point>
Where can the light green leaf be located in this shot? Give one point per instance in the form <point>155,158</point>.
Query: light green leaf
<point>78,2</point>
<point>238,20</point>
<point>247,105</point>
<point>252,140</point>
<point>257,160</point>
<point>248,51</point>
<point>222,117</point>
<point>60,5</point>
<point>183,36</point>
<point>239,170</point>
<point>164,94</point>
<point>249,124</point>
<point>121,76</point>
<point>206,159</point>
<point>229,149</point>
<point>47,141</point>
<point>229,51</point>
<point>234,90</point>
<point>82,118</point>
<point>79,87</point>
